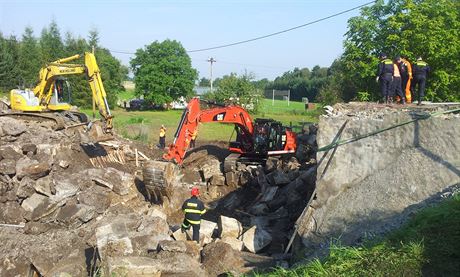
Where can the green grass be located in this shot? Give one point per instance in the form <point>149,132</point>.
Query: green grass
<point>145,125</point>
<point>428,245</point>
<point>126,95</point>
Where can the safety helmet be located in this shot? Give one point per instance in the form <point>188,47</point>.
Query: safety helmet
<point>382,55</point>
<point>419,58</point>
<point>195,191</point>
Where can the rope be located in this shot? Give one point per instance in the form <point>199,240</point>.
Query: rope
<point>356,138</point>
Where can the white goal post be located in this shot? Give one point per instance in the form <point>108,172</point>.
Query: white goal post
<point>278,94</point>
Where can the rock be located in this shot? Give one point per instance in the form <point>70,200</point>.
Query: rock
<point>36,228</point>
<point>69,267</point>
<point>164,264</point>
<point>220,258</point>
<point>118,181</point>
<point>29,148</point>
<point>258,209</point>
<point>11,213</point>
<point>74,215</point>
<point>63,163</point>
<point>112,240</point>
<point>44,185</point>
<point>31,168</point>
<point>236,244</point>
<point>14,127</point>
<point>7,152</point>
<point>143,244</point>
<point>156,211</point>
<point>231,179</point>
<point>64,189</point>
<point>210,167</point>
<point>269,194</point>
<point>34,202</point>
<point>271,164</point>
<point>207,229</point>
<point>195,156</point>
<point>25,188</point>
<point>229,227</point>
<point>179,235</point>
<point>217,180</point>
<point>278,178</point>
<point>95,196</point>
<point>172,246</point>
<point>256,238</point>
<point>8,166</point>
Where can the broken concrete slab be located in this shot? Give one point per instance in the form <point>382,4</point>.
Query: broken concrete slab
<point>172,246</point>
<point>157,211</point>
<point>217,180</point>
<point>14,127</point>
<point>95,196</point>
<point>113,240</point>
<point>45,186</point>
<point>179,235</point>
<point>220,258</point>
<point>231,179</point>
<point>34,202</point>
<point>75,215</point>
<point>211,166</point>
<point>256,238</point>
<point>118,181</point>
<point>229,227</point>
<point>236,244</point>
<point>64,189</point>
<point>207,229</point>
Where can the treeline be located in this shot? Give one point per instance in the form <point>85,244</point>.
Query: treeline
<point>21,58</point>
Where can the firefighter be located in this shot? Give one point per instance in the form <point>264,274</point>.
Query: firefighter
<point>405,69</point>
<point>162,139</point>
<point>421,70</point>
<point>396,84</point>
<point>192,141</point>
<point>385,77</point>
<point>193,209</point>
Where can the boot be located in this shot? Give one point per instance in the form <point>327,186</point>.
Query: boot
<point>403,101</point>
<point>419,101</point>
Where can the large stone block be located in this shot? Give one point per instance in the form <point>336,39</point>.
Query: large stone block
<point>256,238</point>
<point>118,181</point>
<point>8,166</point>
<point>229,227</point>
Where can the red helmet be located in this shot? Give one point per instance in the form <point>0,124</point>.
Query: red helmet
<point>195,191</point>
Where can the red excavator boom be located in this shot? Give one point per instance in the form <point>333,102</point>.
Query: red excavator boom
<point>255,139</point>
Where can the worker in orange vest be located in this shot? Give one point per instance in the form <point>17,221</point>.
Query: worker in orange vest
<point>405,68</point>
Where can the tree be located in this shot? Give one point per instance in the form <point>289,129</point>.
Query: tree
<point>430,28</point>
<point>237,90</point>
<point>51,44</point>
<point>204,82</point>
<point>163,72</point>
<point>9,69</point>
<point>29,61</point>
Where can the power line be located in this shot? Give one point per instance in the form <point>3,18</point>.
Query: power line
<point>282,31</point>
<point>265,36</point>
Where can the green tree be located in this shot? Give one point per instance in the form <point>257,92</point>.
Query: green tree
<point>163,72</point>
<point>237,90</point>
<point>430,28</point>
<point>9,69</point>
<point>52,47</point>
<point>205,82</point>
<point>29,58</point>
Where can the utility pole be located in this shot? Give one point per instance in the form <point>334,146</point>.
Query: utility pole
<point>211,61</point>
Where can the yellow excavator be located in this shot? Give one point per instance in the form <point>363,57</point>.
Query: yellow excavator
<point>53,94</point>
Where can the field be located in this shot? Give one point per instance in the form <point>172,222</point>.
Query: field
<point>145,125</point>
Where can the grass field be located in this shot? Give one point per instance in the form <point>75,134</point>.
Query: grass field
<point>428,245</point>
<point>145,125</point>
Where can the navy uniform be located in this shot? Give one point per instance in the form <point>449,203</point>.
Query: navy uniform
<point>193,209</point>
<point>420,72</point>
<point>385,77</point>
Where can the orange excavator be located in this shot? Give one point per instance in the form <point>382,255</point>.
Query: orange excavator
<point>255,140</point>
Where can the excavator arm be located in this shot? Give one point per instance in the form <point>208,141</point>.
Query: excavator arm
<point>193,115</point>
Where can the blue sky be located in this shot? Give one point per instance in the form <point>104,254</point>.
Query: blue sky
<point>129,25</point>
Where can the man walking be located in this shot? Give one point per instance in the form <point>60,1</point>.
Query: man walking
<point>193,209</point>
<point>385,77</point>
<point>421,70</point>
<point>162,139</point>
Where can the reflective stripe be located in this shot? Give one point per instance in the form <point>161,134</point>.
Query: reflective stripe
<point>194,211</point>
<point>185,226</point>
<point>192,204</point>
<point>194,221</point>
<point>421,63</point>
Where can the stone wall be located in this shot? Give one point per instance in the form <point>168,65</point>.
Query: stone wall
<point>370,186</point>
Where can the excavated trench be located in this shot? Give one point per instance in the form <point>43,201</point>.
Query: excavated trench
<point>70,209</point>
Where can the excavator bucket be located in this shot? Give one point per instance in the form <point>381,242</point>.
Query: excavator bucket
<point>159,177</point>
<point>93,133</point>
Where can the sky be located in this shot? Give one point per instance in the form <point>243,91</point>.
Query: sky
<point>128,25</point>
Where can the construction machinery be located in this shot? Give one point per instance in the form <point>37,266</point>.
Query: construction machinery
<point>53,94</point>
<point>255,140</point>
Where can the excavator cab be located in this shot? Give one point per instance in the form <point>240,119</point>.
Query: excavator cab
<point>61,96</point>
<point>269,136</point>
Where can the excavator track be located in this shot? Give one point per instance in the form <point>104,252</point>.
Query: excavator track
<point>59,122</point>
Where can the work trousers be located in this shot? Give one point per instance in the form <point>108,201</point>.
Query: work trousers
<point>405,87</point>
<point>385,85</point>
<point>397,88</point>
<point>419,82</point>
<point>196,229</point>
<point>162,142</point>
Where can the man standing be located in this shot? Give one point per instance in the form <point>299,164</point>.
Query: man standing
<point>193,209</point>
<point>162,140</point>
<point>385,77</point>
<point>192,141</point>
<point>421,70</point>
<point>397,88</point>
<point>405,69</point>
